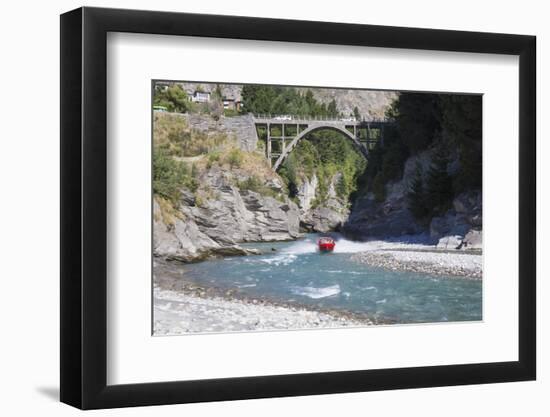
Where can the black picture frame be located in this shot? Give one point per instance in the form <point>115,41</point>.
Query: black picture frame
<point>84,207</point>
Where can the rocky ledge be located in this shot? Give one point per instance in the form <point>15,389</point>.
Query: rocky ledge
<point>215,220</point>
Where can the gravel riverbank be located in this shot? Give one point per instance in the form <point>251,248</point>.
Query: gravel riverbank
<point>425,260</point>
<point>182,306</point>
<point>177,313</point>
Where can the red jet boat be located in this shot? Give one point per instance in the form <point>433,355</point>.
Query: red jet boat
<point>326,244</point>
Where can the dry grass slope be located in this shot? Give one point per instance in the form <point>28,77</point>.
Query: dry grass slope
<point>201,153</point>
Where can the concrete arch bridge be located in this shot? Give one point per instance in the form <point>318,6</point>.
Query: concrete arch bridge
<point>284,132</point>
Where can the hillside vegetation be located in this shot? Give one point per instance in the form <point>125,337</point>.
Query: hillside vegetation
<point>181,155</point>
<point>324,154</point>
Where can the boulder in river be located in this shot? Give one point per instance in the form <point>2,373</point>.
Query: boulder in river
<point>473,239</point>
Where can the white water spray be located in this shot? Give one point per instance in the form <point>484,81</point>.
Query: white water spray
<point>342,246</point>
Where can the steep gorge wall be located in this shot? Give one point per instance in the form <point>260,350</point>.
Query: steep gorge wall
<point>460,227</point>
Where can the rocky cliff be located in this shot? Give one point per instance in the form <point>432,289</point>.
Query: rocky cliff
<point>226,209</point>
<point>459,228</point>
<point>323,217</point>
<point>371,104</point>
<point>241,128</point>
<point>224,212</point>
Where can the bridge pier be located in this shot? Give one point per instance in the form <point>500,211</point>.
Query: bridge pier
<point>268,144</point>
<point>283,134</point>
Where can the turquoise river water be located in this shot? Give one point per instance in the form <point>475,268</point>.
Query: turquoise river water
<point>295,272</point>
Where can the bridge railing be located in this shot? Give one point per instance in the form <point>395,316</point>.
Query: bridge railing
<point>294,118</point>
<point>297,119</point>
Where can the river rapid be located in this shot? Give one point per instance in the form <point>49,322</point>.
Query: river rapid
<point>296,273</point>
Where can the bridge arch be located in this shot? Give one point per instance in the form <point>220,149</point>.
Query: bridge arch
<point>363,150</point>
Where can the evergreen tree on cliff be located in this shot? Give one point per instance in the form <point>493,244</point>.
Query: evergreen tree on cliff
<point>332,109</point>
<point>417,195</point>
<point>439,184</point>
<point>462,120</point>
<point>418,119</point>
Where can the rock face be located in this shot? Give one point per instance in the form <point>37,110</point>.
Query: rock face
<point>324,219</point>
<point>450,224</point>
<point>392,218</point>
<point>459,228</point>
<point>242,128</point>
<point>214,226</point>
<point>307,192</point>
<point>371,104</point>
<point>184,241</point>
<point>369,218</point>
<point>454,230</point>
<point>473,240</point>
<point>237,216</point>
<point>329,215</point>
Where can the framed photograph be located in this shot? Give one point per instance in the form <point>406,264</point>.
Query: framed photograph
<point>256,208</point>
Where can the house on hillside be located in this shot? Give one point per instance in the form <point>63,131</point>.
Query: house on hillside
<point>200,97</point>
<point>229,103</point>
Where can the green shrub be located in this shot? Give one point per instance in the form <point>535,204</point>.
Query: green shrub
<point>174,98</point>
<point>252,183</point>
<point>199,201</point>
<point>169,176</point>
<point>213,157</point>
<point>255,184</point>
<point>235,158</point>
<point>324,153</point>
<point>231,112</point>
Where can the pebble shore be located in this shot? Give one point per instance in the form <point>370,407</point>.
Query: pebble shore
<point>457,264</point>
<point>177,313</point>
<point>182,306</point>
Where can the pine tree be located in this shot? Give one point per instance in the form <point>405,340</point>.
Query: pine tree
<point>439,184</point>
<point>379,188</point>
<point>417,195</point>
<point>332,109</point>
